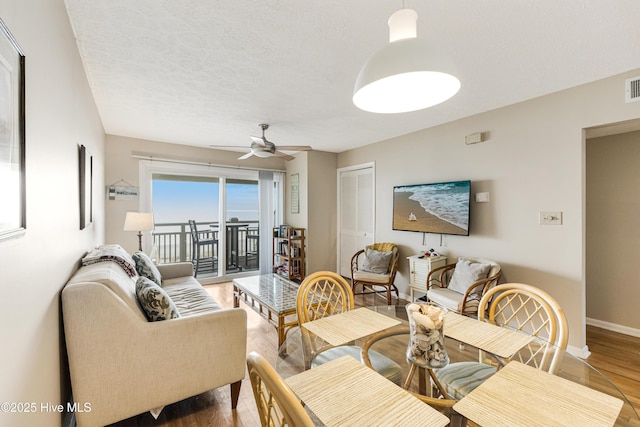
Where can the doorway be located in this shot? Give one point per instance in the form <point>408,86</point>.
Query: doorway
<point>356,212</point>
<point>611,228</point>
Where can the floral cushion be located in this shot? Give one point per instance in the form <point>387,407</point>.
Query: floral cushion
<point>146,268</point>
<point>376,261</point>
<point>155,301</point>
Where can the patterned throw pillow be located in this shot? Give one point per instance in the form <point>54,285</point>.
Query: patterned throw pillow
<point>376,261</point>
<point>146,268</point>
<point>155,301</point>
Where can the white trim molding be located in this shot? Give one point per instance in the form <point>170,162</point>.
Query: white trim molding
<point>614,327</point>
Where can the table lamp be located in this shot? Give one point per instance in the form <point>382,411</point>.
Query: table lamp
<point>138,221</point>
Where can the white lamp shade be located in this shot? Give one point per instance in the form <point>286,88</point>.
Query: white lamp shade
<point>138,221</point>
<point>405,75</point>
<point>408,74</point>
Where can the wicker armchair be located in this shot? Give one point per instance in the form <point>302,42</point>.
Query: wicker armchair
<point>467,289</point>
<point>372,278</point>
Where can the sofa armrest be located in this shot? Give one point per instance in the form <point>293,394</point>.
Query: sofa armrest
<point>178,269</point>
<point>124,366</point>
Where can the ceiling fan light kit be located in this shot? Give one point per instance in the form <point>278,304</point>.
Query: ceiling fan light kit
<point>263,148</point>
<point>408,74</point>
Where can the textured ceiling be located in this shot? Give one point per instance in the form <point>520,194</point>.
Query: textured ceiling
<point>203,72</point>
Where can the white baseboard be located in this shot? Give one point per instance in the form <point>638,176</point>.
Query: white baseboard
<point>614,327</point>
<point>582,353</point>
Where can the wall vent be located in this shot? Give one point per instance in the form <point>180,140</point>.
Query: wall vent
<point>632,89</point>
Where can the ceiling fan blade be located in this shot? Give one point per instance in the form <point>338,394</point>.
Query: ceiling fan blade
<point>294,147</point>
<point>228,146</point>
<point>257,140</point>
<point>245,156</point>
<point>283,155</point>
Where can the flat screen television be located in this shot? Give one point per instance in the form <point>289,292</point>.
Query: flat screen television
<point>441,207</point>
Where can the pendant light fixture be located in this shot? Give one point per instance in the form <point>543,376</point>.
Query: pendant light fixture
<point>408,74</point>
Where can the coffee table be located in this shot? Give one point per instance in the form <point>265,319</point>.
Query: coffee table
<point>270,295</point>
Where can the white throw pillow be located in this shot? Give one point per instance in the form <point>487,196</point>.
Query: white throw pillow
<point>467,273</point>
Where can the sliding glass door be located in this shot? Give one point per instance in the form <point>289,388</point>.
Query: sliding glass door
<point>224,204</point>
<point>176,200</point>
<point>242,224</point>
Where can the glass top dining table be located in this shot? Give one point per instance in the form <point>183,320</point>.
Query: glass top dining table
<point>290,361</point>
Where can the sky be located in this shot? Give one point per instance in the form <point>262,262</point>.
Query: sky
<point>179,201</point>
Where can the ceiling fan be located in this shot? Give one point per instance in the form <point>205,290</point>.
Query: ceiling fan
<point>262,147</point>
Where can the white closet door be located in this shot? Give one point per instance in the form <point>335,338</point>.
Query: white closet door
<point>356,213</point>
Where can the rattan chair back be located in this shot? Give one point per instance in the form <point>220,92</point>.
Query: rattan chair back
<point>531,310</point>
<point>277,404</point>
<point>322,294</point>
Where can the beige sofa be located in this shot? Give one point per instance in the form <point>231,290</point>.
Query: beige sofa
<point>122,365</point>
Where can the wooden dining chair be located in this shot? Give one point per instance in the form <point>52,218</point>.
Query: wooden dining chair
<point>326,293</point>
<point>277,404</point>
<point>520,307</point>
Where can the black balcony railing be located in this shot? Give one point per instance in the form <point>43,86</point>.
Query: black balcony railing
<point>174,244</point>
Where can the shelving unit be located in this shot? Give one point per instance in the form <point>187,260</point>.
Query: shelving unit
<point>288,253</point>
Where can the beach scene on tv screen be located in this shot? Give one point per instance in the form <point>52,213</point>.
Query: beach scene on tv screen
<point>432,208</point>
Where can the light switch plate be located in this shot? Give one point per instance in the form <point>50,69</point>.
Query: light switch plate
<point>482,197</point>
<point>550,218</point>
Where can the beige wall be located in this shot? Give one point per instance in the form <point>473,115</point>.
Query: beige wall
<point>60,114</point>
<point>300,166</point>
<point>533,161</point>
<point>318,204</point>
<point>121,165</point>
<point>613,208</point>
<point>322,209</point>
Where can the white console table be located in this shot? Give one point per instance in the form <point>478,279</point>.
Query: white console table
<point>419,269</point>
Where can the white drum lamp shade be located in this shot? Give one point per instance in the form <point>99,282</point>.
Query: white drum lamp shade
<point>408,74</point>
<point>139,221</point>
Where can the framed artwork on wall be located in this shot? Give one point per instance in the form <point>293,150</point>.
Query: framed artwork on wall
<point>13,217</point>
<point>86,187</point>
<point>295,193</point>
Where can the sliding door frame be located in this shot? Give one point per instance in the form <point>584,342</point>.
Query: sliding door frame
<point>147,168</point>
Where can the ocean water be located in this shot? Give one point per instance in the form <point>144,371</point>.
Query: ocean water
<point>448,201</point>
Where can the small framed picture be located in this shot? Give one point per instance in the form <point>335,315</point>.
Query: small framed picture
<point>295,193</point>
<point>85,161</point>
<point>13,217</point>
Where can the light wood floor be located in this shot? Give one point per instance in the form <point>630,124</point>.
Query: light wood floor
<point>615,355</point>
